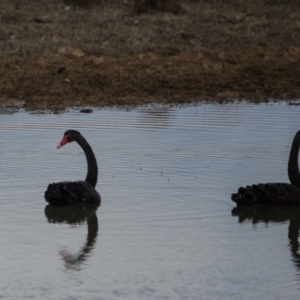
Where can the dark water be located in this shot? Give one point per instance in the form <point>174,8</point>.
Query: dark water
<point>166,228</point>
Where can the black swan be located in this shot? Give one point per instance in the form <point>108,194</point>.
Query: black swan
<point>64,193</point>
<point>275,193</point>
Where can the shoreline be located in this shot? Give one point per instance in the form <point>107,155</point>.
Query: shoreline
<point>58,81</point>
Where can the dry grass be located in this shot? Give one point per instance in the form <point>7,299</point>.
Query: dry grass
<point>113,29</point>
<point>108,55</point>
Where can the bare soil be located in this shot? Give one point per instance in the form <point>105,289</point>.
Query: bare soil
<point>54,56</point>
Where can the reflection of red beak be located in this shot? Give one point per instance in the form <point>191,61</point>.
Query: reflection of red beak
<point>63,141</point>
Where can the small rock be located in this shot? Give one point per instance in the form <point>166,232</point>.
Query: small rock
<point>61,70</point>
<point>98,61</point>
<point>42,20</point>
<point>86,110</point>
<point>71,51</point>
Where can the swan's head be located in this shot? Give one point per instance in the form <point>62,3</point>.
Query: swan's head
<point>69,136</point>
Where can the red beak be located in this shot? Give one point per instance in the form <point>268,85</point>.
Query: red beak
<point>63,141</point>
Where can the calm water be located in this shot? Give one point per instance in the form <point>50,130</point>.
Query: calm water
<point>166,228</point>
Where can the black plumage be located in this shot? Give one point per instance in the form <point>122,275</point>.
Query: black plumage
<point>275,193</point>
<point>64,193</point>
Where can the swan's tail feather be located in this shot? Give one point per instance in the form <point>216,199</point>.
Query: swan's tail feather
<point>57,194</point>
<point>252,194</point>
<point>244,196</point>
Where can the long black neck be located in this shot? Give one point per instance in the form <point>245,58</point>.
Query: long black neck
<point>293,168</point>
<point>92,168</point>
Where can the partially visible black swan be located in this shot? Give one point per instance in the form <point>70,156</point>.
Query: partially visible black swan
<point>275,193</point>
<point>64,193</point>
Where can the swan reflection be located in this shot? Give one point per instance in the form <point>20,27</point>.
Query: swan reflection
<point>274,214</point>
<point>76,215</point>
<point>159,117</point>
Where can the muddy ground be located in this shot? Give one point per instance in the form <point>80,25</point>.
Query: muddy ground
<point>54,56</point>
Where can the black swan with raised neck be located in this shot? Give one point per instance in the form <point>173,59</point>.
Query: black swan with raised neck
<point>66,192</point>
<point>275,193</point>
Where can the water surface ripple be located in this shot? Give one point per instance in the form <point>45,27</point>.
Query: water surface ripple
<point>166,228</point>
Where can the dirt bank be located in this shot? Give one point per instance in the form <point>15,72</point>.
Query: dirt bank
<point>54,56</point>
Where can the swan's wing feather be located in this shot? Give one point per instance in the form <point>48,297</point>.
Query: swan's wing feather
<point>63,193</point>
<point>268,193</point>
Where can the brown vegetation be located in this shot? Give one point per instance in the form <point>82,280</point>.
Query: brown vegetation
<point>53,55</point>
